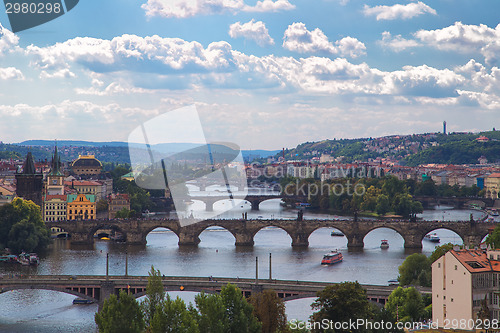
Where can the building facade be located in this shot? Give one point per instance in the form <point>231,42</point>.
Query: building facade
<point>492,185</point>
<point>81,207</point>
<point>116,203</point>
<point>462,280</point>
<point>54,207</point>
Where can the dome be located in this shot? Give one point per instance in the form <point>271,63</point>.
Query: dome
<point>87,161</point>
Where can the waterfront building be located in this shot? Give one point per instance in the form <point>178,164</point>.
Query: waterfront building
<point>54,207</point>
<point>86,165</point>
<point>93,187</point>
<point>116,203</point>
<point>492,185</point>
<point>81,207</point>
<point>461,281</point>
<point>29,182</point>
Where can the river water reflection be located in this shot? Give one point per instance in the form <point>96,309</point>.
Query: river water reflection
<point>216,255</point>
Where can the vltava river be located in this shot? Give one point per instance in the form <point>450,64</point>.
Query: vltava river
<point>216,255</point>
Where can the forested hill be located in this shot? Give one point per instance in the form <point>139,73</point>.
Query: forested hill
<point>453,148</point>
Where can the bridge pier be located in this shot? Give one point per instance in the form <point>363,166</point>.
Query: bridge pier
<point>209,205</point>
<point>355,241</point>
<point>135,238</point>
<point>255,204</point>
<point>243,239</point>
<point>80,238</point>
<point>107,289</point>
<point>470,241</point>
<point>188,239</point>
<point>300,240</point>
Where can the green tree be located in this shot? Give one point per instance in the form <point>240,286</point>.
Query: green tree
<point>102,205</point>
<point>239,313</point>
<point>21,226</point>
<point>341,302</point>
<point>383,204</point>
<point>155,294</point>
<point>27,236</point>
<point>493,238</point>
<point>416,269</point>
<point>212,313</point>
<point>173,316</point>
<point>123,213</point>
<point>440,251</point>
<point>270,311</point>
<point>406,304</point>
<point>120,315</point>
<point>370,198</point>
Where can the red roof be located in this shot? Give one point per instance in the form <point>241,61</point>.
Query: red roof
<point>82,183</point>
<point>55,196</point>
<point>476,261</point>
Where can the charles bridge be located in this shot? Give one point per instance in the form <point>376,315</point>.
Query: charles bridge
<point>299,230</point>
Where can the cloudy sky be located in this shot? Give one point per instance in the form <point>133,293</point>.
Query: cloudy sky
<point>263,74</point>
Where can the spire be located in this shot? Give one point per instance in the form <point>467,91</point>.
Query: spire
<point>29,165</point>
<point>55,164</point>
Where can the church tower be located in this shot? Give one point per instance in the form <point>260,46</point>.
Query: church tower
<point>29,183</point>
<point>55,178</point>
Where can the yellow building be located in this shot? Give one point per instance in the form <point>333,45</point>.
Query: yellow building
<point>492,186</point>
<point>54,207</point>
<point>81,207</point>
<point>86,165</point>
<point>117,202</point>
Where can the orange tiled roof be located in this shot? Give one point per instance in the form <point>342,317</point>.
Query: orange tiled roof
<point>476,261</point>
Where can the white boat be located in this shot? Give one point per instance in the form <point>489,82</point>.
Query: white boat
<point>432,237</point>
<point>384,244</point>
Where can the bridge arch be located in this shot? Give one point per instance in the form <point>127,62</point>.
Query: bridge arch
<point>104,225</point>
<point>288,232</point>
<point>403,235</point>
<point>317,237</point>
<point>94,298</point>
<point>445,227</point>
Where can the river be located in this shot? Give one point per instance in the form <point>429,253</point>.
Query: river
<point>216,255</point>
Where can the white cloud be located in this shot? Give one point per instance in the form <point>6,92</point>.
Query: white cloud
<point>131,52</point>
<point>11,73</point>
<point>465,38</point>
<point>270,6</point>
<point>398,11</point>
<point>397,43</point>
<point>8,40</point>
<point>255,31</point>
<point>189,8</point>
<point>297,38</point>
<point>64,73</point>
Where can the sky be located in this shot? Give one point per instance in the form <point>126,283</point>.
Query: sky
<point>262,74</point>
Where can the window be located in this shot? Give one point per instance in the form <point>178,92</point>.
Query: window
<point>455,267</point>
<point>439,265</point>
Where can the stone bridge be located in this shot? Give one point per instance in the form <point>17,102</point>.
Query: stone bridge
<point>98,288</point>
<point>455,202</point>
<point>136,230</point>
<point>255,200</point>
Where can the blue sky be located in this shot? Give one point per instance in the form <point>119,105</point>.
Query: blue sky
<point>263,74</point>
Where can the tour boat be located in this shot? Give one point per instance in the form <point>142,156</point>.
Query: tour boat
<point>300,205</point>
<point>336,233</point>
<point>393,282</point>
<point>494,212</point>
<point>432,238</point>
<point>332,258</point>
<point>82,301</point>
<point>384,244</point>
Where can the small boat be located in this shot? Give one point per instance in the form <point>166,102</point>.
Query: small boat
<point>10,259</point>
<point>393,282</point>
<point>432,238</point>
<point>494,212</point>
<point>337,233</point>
<point>332,258</point>
<point>301,205</point>
<point>105,238</point>
<point>82,301</point>
<point>384,244</point>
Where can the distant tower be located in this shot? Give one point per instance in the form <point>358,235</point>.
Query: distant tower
<point>29,183</point>
<point>55,179</point>
<point>444,127</point>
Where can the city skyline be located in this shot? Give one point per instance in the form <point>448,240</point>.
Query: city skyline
<point>262,74</point>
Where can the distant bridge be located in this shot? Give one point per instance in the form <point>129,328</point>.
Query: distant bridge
<point>455,202</point>
<point>98,288</point>
<point>254,200</point>
<point>244,231</point>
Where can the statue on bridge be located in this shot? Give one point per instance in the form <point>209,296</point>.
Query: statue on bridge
<point>300,215</point>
